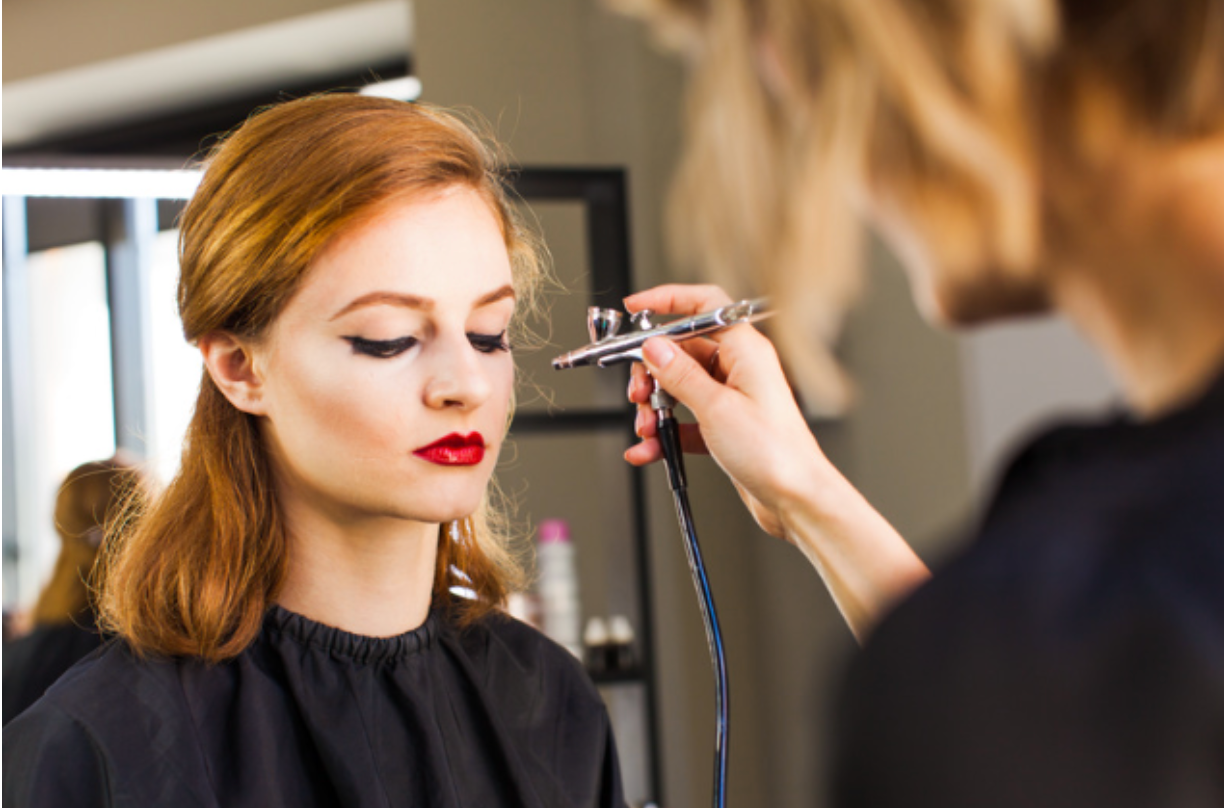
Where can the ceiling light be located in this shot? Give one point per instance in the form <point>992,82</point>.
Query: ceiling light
<point>99,183</point>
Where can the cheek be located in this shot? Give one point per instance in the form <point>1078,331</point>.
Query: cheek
<point>311,388</point>
<point>326,402</point>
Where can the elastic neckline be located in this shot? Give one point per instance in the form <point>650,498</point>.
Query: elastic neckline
<point>357,647</point>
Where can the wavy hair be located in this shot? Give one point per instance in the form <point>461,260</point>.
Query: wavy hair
<point>797,108</point>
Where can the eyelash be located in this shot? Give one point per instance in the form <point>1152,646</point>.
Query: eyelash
<point>385,349</point>
<point>489,343</point>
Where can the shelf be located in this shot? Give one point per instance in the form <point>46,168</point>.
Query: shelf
<point>628,676</point>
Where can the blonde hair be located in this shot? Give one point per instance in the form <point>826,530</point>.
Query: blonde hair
<point>197,572</point>
<point>798,107</point>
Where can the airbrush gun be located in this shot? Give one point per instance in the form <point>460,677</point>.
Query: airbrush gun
<point>608,348</point>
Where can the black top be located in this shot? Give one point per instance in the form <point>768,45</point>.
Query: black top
<point>308,715</point>
<point>1074,656</point>
<point>32,663</point>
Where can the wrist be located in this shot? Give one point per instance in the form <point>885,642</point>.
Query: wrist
<point>813,497</point>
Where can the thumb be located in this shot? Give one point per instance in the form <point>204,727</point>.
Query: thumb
<point>680,374</point>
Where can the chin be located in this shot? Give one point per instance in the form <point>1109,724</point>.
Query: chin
<point>442,509</point>
<point>983,300</point>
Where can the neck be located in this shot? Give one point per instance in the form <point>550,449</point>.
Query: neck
<point>375,579</point>
<point>1150,292</point>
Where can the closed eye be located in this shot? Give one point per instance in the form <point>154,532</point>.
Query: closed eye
<point>489,343</point>
<point>381,349</point>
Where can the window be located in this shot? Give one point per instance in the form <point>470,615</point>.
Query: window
<point>176,366</point>
<point>94,359</point>
<point>71,395</point>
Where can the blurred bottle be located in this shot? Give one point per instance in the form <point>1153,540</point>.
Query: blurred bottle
<point>621,654</point>
<point>558,585</point>
<point>595,640</point>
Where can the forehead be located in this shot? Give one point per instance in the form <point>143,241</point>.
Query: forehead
<point>447,246</point>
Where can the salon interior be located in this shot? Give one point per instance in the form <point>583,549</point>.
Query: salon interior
<point>591,109</point>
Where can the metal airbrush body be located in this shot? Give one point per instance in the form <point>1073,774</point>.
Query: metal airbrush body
<point>608,348</point>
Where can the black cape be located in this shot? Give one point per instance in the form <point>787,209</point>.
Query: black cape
<point>1074,656</point>
<point>311,716</point>
<point>32,663</point>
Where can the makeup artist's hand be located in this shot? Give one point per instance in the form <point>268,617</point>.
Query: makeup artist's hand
<point>747,418</point>
<point>749,422</point>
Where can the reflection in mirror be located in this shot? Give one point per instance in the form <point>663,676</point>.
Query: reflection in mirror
<point>70,363</point>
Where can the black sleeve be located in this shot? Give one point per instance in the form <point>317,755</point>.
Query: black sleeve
<point>50,760</point>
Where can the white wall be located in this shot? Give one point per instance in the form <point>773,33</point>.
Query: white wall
<point>1021,376</point>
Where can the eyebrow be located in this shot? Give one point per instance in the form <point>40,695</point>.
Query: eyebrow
<point>415,302</point>
<point>494,296</point>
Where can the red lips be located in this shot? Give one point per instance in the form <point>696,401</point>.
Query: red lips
<point>454,450</point>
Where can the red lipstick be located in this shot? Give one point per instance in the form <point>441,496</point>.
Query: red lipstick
<point>454,450</point>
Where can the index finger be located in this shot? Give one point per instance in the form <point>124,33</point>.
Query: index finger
<point>678,298</point>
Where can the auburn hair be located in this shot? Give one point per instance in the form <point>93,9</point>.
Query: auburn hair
<point>195,573</point>
<point>796,108</point>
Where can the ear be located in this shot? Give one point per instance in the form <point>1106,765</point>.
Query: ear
<point>231,364</point>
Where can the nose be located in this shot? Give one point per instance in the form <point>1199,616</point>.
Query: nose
<point>458,378</point>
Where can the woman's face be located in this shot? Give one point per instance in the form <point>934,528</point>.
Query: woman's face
<point>386,380</point>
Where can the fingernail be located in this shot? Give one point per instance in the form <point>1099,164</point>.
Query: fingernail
<point>659,352</point>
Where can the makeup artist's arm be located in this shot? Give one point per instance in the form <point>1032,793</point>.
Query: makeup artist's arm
<point>747,419</point>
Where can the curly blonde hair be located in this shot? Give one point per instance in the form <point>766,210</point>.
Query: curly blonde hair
<point>798,108</point>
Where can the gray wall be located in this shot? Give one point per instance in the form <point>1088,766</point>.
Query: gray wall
<point>47,36</point>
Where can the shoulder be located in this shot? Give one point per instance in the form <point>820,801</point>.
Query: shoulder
<point>544,699</point>
<point>34,662</point>
<point>1102,540</point>
<point>111,681</point>
<point>501,641</point>
<point>1083,632</point>
<point>528,674</point>
<point>993,672</point>
<point>1093,523</point>
<point>114,714</point>
<point>1065,600</point>
<point>41,747</point>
